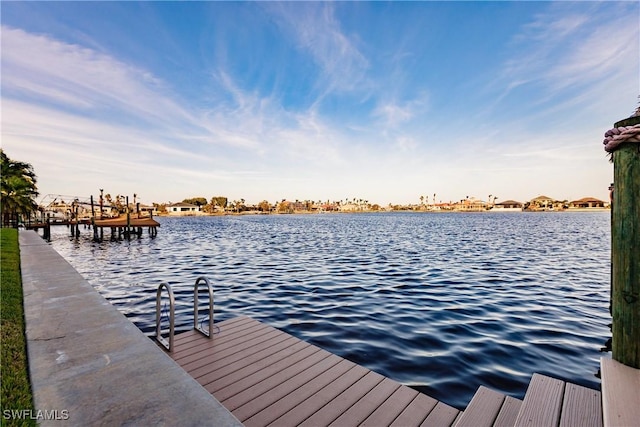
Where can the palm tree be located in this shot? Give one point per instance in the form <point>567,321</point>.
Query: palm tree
<point>17,189</point>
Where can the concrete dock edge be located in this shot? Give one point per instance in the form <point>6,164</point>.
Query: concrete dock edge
<point>89,365</point>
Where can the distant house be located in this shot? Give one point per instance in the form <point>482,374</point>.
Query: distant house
<point>544,203</point>
<point>443,206</point>
<point>328,207</point>
<point>299,206</point>
<point>183,209</point>
<point>349,207</point>
<point>148,210</point>
<point>508,204</point>
<point>587,202</point>
<point>470,205</point>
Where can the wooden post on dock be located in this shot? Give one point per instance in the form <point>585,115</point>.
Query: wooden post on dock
<point>93,221</point>
<point>101,202</point>
<point>75,228</point>
<point>127,233</point>
<point>625,250</point>
<point>47,230</point>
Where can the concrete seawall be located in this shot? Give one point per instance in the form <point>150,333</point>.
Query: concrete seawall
<point>89,365</point>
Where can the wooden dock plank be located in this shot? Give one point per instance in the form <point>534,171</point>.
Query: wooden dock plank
<point>508,413</point>
<point>254,343</point>
<point>185,341</point>
<point>442,415</point>
<point>328,413</point>
<point>416,412</point>
<point>220,327</point>
<point>267,377</point>
<point>582,407</point>
<point>249,381</point>
<point>123,222</point>
<point>620,393</point>
<point>223,334</point>
<point>364,407</point>
<point>391,408</point>
<point>302,411</point>
<point>206,346</point>
<point>211,362</point>
<point>542,402</point>
<point>251,373</point>
<point>483,409</point>
<point>275,393</point>
<point>231,369</point>
<point>277,409</point>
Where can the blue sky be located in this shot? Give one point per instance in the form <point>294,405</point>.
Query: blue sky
<point>304,100</point>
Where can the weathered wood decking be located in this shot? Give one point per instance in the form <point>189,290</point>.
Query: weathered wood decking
<point>620,394</point>
<point>551,402</point>
<point>266,377</point>
<point>122,222</point>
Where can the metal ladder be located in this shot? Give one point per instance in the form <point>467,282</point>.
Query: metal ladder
<point>168,345</point>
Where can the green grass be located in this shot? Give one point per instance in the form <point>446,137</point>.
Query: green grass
<point>16,390</point>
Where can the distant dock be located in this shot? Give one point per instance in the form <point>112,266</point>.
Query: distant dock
<point>121,227</point>
<point>124,226</point>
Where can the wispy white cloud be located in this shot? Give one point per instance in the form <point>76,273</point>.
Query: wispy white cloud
<point>560,52</point>
<point>81,79</point>
<point>315,30</point>
<point>394,113</point>
<point>311,140</point>
<point>69,150</point>
<point>70,108</point>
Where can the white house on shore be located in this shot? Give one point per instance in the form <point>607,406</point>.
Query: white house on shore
<point>508,206</point>
<point>183,209</point>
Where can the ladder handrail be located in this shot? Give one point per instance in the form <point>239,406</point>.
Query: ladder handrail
<point>196,326</point>
<point>172,310</point>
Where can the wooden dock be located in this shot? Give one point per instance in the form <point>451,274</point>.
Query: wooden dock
<point>122,222</point>
<point>266,377</point>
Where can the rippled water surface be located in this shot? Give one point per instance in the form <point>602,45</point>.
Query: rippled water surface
<point>445,302</point>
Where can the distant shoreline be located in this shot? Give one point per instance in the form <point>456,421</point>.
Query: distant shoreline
<point>201,214</point>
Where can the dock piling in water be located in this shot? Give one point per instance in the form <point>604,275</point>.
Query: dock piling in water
<point>625,247</point>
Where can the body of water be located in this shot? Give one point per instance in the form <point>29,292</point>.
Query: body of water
<point>442,302</point>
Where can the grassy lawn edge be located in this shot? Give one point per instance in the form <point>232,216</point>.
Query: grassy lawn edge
<point>14,371</point>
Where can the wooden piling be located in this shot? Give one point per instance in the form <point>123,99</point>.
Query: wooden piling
<point>128,230</point>
<point>625,250</point>
<point>101,203</point>
<point>75,228</point>
<point>47,230</point>
<point>93,222</point>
